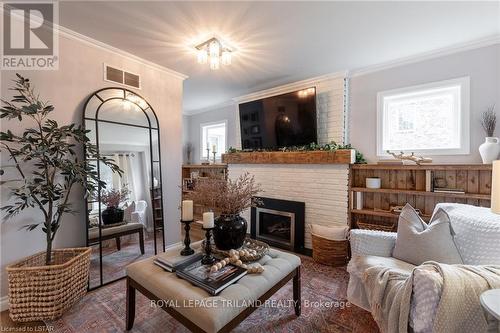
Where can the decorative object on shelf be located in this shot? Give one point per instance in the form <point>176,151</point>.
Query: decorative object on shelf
<point>43,286</point>
<point>373,182</point>
<point>495,188</point>
<point>213,153</point>
<point>234,258</point>
<point>229,198</point>
<point>410,157</point>
<point>251,250</point>
<point>189,151</point>
<point>112,199</point>
<point>208,258</point>
<point>208,154</point>
<point>214,52</point>
<point>490,148</point>
<point>187,219</point>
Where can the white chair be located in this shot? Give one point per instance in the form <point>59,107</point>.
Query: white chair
<point>139,215</point>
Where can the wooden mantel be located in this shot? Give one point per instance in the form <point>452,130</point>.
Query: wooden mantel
<point>341,156</point>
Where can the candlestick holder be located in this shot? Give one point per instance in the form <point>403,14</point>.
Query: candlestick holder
<point>208,155</point>
<point>208,258</point>
<point>214,152</point>
<point>187,250</point>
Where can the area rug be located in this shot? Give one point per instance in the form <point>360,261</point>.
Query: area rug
<point>324,309</point>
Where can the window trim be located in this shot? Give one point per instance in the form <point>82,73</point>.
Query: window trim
<point>464,121</point>
<point>212,123</point>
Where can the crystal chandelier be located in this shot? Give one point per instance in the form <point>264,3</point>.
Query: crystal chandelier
<point>214,53</point>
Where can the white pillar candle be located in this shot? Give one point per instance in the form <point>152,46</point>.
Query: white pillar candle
<point>214,148</point>
<point>187,210</point>
<point>208,220</point>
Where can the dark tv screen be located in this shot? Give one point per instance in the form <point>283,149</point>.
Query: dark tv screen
<point>279,121</point>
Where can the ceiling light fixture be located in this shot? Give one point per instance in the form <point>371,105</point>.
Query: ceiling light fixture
<point>214,52</point>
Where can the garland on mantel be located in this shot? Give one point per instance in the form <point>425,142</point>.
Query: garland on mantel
<point>332,146</point>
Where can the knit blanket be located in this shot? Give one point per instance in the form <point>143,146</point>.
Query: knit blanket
<point>389,293</point>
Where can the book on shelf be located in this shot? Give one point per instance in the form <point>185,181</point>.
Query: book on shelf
<point>212,282</point>
<point>448,190</point>
<point>428,181</point>
<point>171,260</point>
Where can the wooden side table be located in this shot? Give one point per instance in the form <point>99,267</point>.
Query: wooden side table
<point>490,300</point>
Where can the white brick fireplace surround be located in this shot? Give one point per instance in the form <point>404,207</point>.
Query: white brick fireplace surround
<point>323,188</point>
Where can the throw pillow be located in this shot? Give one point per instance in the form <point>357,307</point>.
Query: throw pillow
<point>418,242</point>
<point>127,214</point>
<point>332,233</point>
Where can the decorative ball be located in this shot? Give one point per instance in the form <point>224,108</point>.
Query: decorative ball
<point>238,262</point>
<point>214,268</point>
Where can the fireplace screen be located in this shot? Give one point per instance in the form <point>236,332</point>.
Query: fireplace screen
<point>276,226</point>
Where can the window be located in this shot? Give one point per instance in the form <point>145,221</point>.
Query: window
<point>213,135</point>
<point>429,119</point>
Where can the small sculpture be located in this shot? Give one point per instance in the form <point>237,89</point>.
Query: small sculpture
<point>235,260</point>
<point>417,159</point>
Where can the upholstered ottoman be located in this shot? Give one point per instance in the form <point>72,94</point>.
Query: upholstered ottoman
<point>201,312</point>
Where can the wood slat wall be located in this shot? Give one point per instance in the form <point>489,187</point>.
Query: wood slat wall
<point>407,184</point>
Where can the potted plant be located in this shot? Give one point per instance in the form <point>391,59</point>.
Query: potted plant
<point>227,198</point>
<point>112,200</point>
<point>490,148</point>
<point>42,286</point>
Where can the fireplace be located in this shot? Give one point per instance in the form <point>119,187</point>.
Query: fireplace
<point>279,223</point>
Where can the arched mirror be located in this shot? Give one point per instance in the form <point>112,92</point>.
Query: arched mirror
<point>125,216</point>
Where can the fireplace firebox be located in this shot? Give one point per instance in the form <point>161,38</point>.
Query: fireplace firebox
<point>279,223</point>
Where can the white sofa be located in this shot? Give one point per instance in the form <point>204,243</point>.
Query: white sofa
<point>477,236</point>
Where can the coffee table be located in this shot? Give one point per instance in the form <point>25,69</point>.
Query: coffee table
<point>199,311</point>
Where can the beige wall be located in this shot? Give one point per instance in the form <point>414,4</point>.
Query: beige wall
<point>80,73</point>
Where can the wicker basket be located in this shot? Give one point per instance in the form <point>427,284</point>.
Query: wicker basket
<point>379,227</point>
<point>330,252</point>
<point>40,292</point>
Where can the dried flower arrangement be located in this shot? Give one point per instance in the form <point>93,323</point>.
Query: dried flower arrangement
<point>489,121</point>
<point>113,197</point>
<point>229,197</point>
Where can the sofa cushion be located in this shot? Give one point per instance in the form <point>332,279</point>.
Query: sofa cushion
<point>418,242</point>
<point>477,233</point>
<point>359,263</point>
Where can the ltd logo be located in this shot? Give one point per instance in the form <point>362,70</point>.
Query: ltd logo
<point>29,39</point>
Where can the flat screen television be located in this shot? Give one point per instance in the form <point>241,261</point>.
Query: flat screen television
<point>279,121</point>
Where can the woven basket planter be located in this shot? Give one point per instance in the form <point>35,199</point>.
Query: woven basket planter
<point>330,252</point>
<point>40,292</point>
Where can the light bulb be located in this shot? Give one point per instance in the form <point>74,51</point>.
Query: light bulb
<point>214,48</point>
<point>202,56</point>
<point>226,57</point>
<point>214,63</point>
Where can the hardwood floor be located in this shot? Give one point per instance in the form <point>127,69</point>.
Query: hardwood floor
<point>6,324</point>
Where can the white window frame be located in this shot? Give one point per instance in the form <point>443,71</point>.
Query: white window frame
<point>464,117</point>
<point>203,148</point>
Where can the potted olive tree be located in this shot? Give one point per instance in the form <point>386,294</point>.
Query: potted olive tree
<point>42,286</point>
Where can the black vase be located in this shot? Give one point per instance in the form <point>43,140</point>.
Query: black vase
<point>229,232</point>
<point>112,215</point>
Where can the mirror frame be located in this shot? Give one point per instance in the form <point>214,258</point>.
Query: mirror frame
<point>96,120</point>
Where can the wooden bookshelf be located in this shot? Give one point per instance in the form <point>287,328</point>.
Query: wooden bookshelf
<point>201,171</point>
<point>401,184</point>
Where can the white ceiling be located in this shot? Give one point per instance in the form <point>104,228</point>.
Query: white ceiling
<point>277,42</point>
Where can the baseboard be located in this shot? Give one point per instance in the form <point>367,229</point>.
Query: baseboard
<point>4,303</point>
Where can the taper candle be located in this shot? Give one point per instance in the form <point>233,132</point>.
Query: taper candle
<point>187,210</point>
<point>208,220</point>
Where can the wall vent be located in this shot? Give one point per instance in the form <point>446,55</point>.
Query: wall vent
<point>113,74</point>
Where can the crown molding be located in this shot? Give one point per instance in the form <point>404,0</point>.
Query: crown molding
<point>286,88</point>
<point>457,48</point>
<point>209,108</point>
<point>71,34</point>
